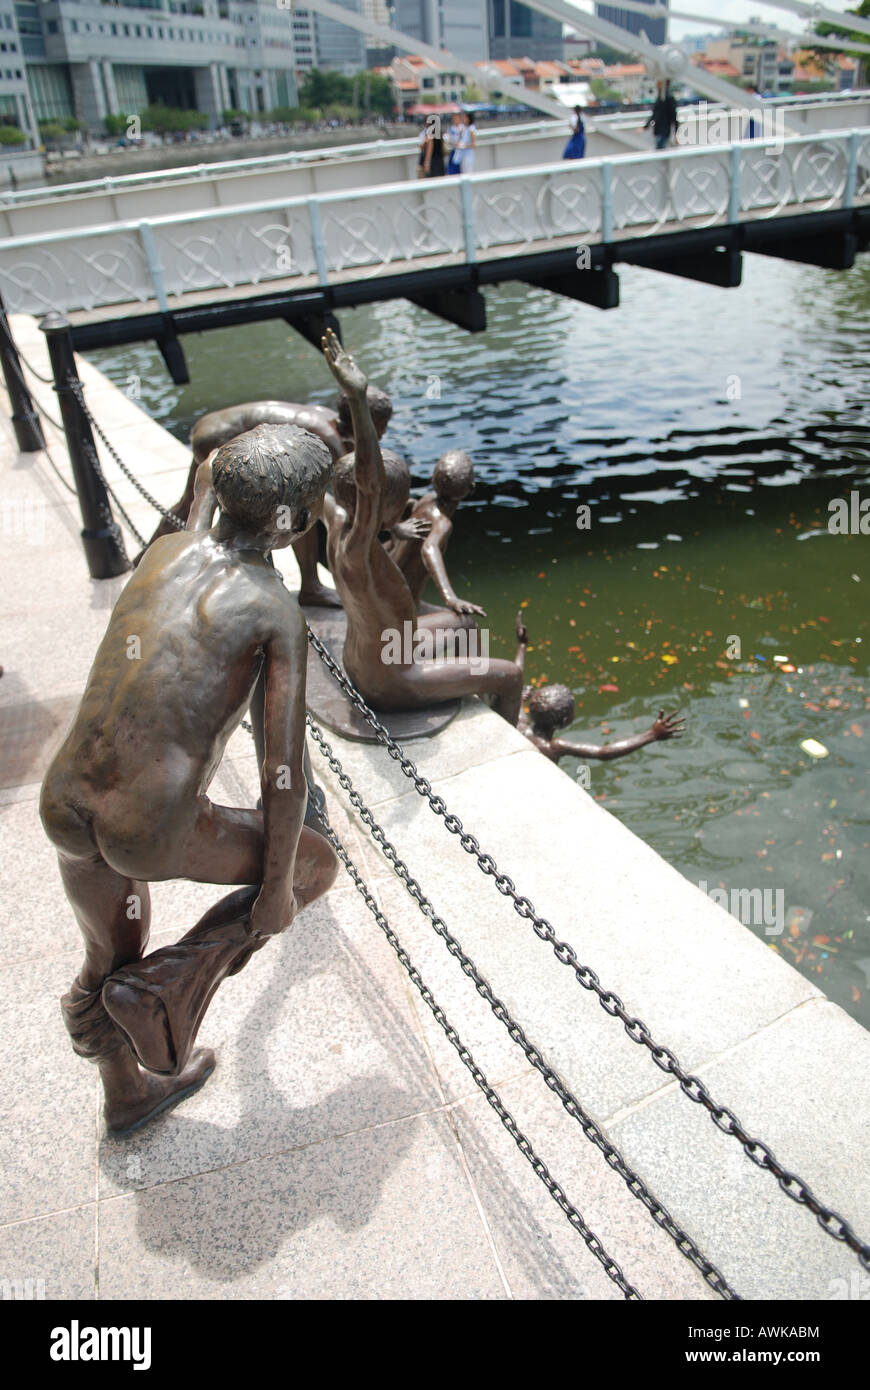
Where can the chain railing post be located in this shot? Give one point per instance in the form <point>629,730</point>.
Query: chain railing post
<point>101,538</point>
<point>25,421</point>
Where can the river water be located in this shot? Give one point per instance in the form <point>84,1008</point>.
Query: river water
<point>708,431</point>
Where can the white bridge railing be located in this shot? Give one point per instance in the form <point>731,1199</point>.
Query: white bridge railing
<point>402,227</point>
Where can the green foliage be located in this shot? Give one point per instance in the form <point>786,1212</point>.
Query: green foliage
<point>51,130</point>
<point>233,114</point>
<point>115,125</point>
<point>325,88</point>
<point>70,123</point>
<point>601,88</point>
<point>827,30</point>
<point>367,91</point>
<point>168,120</point>
<point>381,98</point>
<point>472,94</point>
<point>611,56</point>
<point>11,135</point>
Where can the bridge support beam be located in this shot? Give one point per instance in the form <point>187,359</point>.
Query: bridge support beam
<point>830,251</point>
<point>313,326</point>
<point>598,286</point>
<point>721,265</point>
<point>172,352</point>
<point>465,308</point>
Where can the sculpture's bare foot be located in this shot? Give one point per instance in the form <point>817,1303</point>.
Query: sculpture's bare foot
<point>154,1094</point>
<point>319,597</point>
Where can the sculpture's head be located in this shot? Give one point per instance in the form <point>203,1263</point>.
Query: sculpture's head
<point>395,498</point>
<point>453,475</point>
<point>551,708</point>
<point>380,406</point>
<point>270,481</point>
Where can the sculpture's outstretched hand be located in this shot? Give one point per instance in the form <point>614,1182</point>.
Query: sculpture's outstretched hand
<point>416,528</point>
<point>343,367</point>
<point>521,630</point>
<point>668,725</point>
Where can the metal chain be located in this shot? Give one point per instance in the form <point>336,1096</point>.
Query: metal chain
<point>830,1221</point>
<point>47,380</point>
<point>44,449</point>
<point>114,496</point>
<point>760,1153</point>
<point>609,1265</point>
<point>635,1184</point>
<point>76,388</point>
<point>41,409</point>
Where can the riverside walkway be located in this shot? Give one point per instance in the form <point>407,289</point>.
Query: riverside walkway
<point>340,1150</point>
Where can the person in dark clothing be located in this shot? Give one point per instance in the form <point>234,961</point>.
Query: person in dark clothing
<point>664,116</point>
<point>432,157</point>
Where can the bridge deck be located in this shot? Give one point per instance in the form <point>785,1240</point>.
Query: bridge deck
<point>332,240</point>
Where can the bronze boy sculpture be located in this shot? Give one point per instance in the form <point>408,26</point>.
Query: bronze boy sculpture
<point>124,799</point>
<point>375,594</point>
<point>552,708</point>
<point>333,427</point>
<point>422,558</point>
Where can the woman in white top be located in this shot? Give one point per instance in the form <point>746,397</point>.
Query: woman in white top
<point>454,135</point>
<point>465,152</point>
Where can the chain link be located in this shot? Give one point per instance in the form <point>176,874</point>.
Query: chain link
<point>76,388</point>
<point>571,1104</point>
<point>46,380</point>
<point>791,1184</point>
<point>611,1268</point>
<point>114,496</point>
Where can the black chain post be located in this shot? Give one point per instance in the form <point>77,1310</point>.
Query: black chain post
<point>101,538</point>
<point>25,421</point>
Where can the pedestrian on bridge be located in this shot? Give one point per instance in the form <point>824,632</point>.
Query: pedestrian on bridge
<point>467,140</point>
<point>664,116</point>
<point>576,146</point>
<point>454,135</point>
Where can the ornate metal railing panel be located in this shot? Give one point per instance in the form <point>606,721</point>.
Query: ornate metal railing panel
<point>79,271</point>
<point>373,231</point>
<point>536,207</point>
<point>807,173</point>
<point>235,249</point>
<point>401,223</point>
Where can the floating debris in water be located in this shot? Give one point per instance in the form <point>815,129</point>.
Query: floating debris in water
<point>814,748</point>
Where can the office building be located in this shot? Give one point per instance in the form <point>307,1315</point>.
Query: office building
<point>517,28</point>
<point>656,30</point>
<point>459,26</point>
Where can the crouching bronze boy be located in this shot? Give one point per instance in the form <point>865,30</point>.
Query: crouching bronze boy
<point>124,800</point>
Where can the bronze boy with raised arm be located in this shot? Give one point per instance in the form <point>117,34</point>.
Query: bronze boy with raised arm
<point>124,800</point>
<point>375,593</point>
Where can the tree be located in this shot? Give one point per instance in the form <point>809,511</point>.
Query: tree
<point>11,135</point>
<point>381,97</point>
<point>471,93</point>
<point>325,89</point>
<point>829,30</point>
<point>601,88</point>
<point>610,55</point>
<point>169,120</point>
